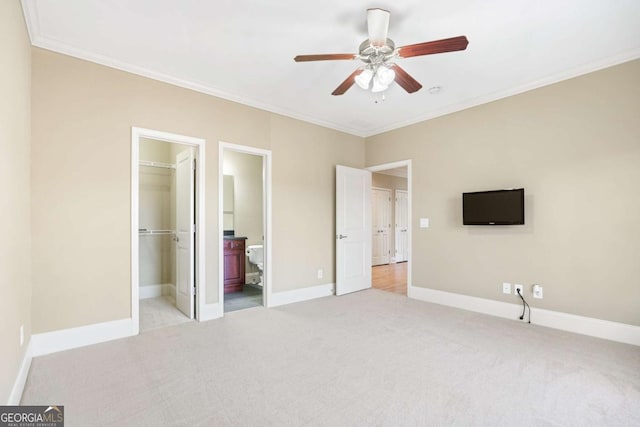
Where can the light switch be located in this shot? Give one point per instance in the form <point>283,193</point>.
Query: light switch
<point>424,222</point>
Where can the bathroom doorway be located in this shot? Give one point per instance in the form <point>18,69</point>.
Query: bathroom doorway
<point>244,212</point>
<point>167,237</point>
<point>391,227</point>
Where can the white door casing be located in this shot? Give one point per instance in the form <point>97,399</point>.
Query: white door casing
<point>401,226</point>
<point>185,232</point>
<point>381,226</point>
<point>353,229</point>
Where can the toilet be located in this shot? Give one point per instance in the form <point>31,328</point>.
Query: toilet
<point>255,253</point>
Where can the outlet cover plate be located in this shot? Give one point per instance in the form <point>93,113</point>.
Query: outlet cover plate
<point>537,291</point>
<point>515,289</point>
<point>506,288</point>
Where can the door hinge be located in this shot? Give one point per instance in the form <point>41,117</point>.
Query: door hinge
<point>194,164</point>
<point>194,290</point>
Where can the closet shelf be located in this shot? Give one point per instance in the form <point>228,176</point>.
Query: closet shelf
<point>157,164</point>
<point>147,232</point>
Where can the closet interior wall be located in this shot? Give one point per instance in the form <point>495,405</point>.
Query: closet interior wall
<point>157,218</point>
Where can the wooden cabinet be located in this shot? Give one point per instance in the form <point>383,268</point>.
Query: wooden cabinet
<point>234,261</point>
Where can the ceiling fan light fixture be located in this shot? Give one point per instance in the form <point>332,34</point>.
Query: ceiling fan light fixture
<point>364,78</point>
<point>385,75</point>
<point>378,86</point>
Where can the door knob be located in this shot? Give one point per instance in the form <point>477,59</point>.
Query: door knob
<point>340,236</point>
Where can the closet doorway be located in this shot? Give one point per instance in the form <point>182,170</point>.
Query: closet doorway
<point>167,220</point>
<point>245,180</point>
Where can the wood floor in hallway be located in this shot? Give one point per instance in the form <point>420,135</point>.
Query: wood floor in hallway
<point>390,278</point>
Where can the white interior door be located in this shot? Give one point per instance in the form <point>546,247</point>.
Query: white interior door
<point>402,225</point>
<point>185,230</point>
<point>381,226</point>
<point>353,230</point>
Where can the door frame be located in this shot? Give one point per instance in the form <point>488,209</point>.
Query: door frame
<point>395,217</point>
<point>393,165</point>
<point>266,219</point>
<point>199,145</point>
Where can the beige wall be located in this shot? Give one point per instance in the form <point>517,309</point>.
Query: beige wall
<point>304,185</point>
<point>15,281</point>
<point>575,148</point>
<point>82,118</point>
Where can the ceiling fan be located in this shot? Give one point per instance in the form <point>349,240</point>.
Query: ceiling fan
<point>377,54</point>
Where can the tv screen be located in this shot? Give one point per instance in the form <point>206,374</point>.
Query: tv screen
<point>499,207</point>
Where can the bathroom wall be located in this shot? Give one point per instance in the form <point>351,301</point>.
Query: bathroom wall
<point>393,183</point>
<point>246,170</point>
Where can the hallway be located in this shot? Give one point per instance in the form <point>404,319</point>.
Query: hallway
<point>390,278</point>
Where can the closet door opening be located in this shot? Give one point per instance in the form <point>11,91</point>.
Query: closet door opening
<point>166,214</point>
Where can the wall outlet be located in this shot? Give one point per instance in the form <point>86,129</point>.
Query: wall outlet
<point>516,287</point>
<point>506,288</point>
<point>320,273</point>
<point>21,335</point>
<point>537,291</point>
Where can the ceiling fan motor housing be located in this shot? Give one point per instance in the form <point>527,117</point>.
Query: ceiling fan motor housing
<point>376,54</point>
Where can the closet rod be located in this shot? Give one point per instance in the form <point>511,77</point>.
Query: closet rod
<point>146,232</point>
<point>157,164</point>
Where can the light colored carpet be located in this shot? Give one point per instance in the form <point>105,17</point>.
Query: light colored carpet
<point>371,358</point>
<point>160,312</point>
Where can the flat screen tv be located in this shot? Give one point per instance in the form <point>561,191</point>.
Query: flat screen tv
<point>498,207</point>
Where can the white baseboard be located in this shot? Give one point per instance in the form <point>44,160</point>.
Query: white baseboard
<point>21,378</point>
<point>210,312</point>
<point>149,291</point>
<point>65,339</point>
<point>304,294</point>
<point>614,331</point>
<point>153,291</point>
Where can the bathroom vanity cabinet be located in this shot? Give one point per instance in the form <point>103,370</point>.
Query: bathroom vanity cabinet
<point>234,262</point>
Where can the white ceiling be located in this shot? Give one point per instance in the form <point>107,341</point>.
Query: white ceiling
<point>243,50</point>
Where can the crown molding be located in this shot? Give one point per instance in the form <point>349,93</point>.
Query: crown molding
<point>39,40</point>
<point>590,67</point>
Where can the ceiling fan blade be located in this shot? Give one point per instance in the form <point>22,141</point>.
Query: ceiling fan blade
<point>345,85</point>
<point>378,26</point>
<point>407,82</point>
<point>324,57</point>
<point>437,46</point>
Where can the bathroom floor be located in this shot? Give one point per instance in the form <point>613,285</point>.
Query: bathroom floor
<point>249,297</point>
<point>160,312</point>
